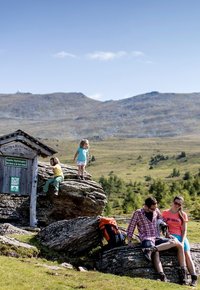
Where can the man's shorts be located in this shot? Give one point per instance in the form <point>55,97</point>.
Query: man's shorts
<point>150,243</point>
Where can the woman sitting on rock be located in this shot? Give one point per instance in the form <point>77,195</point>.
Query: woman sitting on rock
<point>176,220</point>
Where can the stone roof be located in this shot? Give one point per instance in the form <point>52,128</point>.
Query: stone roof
<point>21,136</point>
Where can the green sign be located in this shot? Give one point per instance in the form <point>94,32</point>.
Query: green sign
<point>14,184</point>
<point>16,162</point>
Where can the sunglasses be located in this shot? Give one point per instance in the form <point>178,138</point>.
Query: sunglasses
<point>177,203</point>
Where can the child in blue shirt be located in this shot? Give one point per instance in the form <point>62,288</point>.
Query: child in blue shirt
<point>82,155</point>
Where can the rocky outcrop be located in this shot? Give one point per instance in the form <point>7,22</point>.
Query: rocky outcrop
<point>8,229</point>
<point>129,261</point>
<point>76,198</point>
<point>79,236</point>
<point>74,237</point>
<point>12,247</point>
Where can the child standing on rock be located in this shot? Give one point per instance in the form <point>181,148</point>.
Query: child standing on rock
<point>58,176</point>
<point>82,155</point>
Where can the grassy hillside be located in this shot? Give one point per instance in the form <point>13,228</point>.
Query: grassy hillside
<point>129,158</point>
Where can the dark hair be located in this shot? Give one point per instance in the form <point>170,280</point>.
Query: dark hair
<point>182,199</point>
<point>179,197</point>
<point>55,160</point>
<point>150,201</point>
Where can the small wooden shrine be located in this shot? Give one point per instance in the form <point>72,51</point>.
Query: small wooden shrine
<point>19,166</point>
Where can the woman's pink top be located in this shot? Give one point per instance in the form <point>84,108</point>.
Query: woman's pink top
<point>174,221</point>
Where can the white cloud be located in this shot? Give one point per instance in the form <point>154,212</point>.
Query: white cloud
<point>97,96</point>
<point>106,55</point>
<point>64,54</point>
<point>137,53</point>
<point>149,62</point>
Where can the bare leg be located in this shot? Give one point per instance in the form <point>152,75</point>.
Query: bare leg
<point>83,170</point>
<point>189,263</point>
<point>156,262</point>
<point>79,169</point>
<point>171,244</point>
<point>158,266</point>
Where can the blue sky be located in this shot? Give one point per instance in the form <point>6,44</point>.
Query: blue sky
<point>106,49</point>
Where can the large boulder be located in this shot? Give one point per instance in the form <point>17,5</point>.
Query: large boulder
<point>76,198</point>
<point>79,236</point>
<point>130,261</point>
<point>74,237</point>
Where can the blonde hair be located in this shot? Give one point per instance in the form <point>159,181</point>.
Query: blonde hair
<point>83,142</point>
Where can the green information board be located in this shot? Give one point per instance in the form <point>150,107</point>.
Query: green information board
<point>14,184</point>
<point>16,162</point>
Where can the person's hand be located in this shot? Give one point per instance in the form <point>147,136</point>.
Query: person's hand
<point>171,237</point>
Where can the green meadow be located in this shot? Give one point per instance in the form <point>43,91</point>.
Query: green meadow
<point>38,274</point>
<point>129,159</point>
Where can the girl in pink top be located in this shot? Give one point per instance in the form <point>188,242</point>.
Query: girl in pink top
<point>176,220</point>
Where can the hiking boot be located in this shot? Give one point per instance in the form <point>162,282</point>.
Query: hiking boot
<point>194,280</point>
<point>162,277</point>
<point>148,252</point>
<point>183,276</point>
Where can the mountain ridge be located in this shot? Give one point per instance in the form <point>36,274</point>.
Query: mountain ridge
<point>74,115</point>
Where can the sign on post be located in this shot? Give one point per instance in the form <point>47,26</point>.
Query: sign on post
<point>16,162</point>
<point>14,184</point>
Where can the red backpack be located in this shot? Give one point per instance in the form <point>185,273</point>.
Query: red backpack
<point>111,232</point>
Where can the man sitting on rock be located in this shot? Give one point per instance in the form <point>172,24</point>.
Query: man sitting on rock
<point>146,221</point>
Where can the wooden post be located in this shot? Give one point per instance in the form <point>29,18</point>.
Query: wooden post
<point>33,197</point>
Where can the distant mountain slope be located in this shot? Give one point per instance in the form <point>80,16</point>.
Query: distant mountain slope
<point>73,115</point>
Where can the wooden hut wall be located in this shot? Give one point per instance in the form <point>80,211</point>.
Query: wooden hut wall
<point>15,179</point>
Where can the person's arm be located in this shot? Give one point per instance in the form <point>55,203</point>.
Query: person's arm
<point>76,154</point>
<point>184,225</point>
<point>167,234</point>
<point>131,227</point>
<point>184,231</point>
<point>87,156</point>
